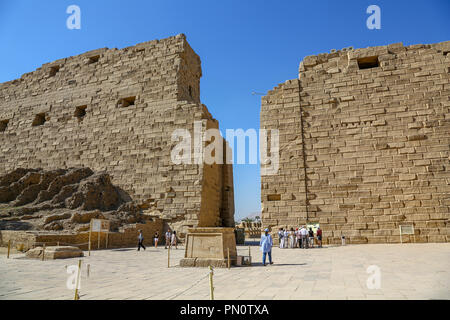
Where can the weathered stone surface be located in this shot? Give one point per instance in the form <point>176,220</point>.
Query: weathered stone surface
<point>203,262</point>
<point>113,111</point>
<point>79,195</point>
<point>54,252</point>
<point>209,246</point>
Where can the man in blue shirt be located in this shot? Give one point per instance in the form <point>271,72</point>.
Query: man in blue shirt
<point>266,246</point>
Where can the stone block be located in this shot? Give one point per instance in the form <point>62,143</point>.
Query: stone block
<point>54,252</point>
<point>209,246</point>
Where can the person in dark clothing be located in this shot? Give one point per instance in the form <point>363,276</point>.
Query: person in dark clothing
<point>141,241</point>
<point>156,239</point>
<point>311,237</point>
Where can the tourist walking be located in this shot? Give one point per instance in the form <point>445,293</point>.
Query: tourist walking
<point>266,246</point>
<point>168,237</point>
<point>156,239</point>
<point>319,237</point>
<point>173,241</point>
<point>311,237</point>
<point>140,241</point>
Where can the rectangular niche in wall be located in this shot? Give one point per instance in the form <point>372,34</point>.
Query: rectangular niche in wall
<point>54,70</point>
<point>274,197</point>
<point>126,102</point>
<point>39,120</point>
<point>3,125</point>
<point>80,112</point>
<point>368,62</point>
<point>93,59</point>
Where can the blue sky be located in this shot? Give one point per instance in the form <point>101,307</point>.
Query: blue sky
<point>244,45</point>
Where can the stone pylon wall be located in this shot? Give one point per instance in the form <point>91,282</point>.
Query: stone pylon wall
<point>115,111</point>
<point>364,144</point>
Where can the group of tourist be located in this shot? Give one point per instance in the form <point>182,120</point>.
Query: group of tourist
<point>299,238</point>
<point>170,237</point>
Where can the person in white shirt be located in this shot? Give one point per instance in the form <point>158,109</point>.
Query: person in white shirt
<point>168,237</point>
<point>304,235</point>
<point>291,238</point>
<point>156,239</point>
<point>285,239</point>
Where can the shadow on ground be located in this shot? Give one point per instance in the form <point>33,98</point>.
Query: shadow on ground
<point>125,249</point>
<point>252,242</point>
<point>259,264</point>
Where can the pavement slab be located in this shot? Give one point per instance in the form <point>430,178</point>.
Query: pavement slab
<point>405,271</point>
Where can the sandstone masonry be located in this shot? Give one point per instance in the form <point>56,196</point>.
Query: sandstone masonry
<point>364,144</point>
<point>115,110</point>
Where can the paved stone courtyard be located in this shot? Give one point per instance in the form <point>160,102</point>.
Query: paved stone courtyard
<point>408,271</point>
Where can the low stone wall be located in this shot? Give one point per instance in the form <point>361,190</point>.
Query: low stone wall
<point>126,237</point>
<point>253,230</point>
<point>17,238</point>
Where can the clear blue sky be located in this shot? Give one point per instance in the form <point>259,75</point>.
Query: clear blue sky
<point>244,45</point>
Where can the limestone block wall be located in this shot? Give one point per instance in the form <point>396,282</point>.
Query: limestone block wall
<point>115,111</point>
<point>283,196</point>
<point>366,135</point>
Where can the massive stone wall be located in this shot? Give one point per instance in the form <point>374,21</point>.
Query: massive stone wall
<point>364,144</point>
<point>115,111</point>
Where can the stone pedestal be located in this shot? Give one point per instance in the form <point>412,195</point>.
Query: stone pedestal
<point>208,247</point>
